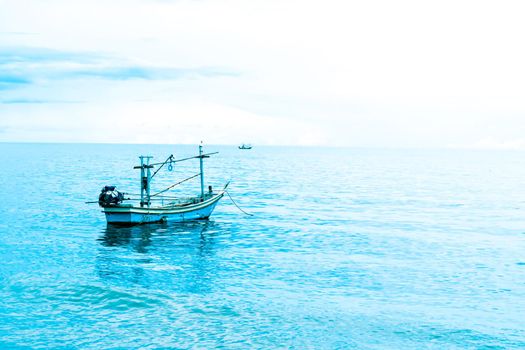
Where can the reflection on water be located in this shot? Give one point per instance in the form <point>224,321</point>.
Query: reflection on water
<point>139,237</point>
<point>178,254</point>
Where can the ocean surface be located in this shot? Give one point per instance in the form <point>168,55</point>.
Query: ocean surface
<point>346,249</point>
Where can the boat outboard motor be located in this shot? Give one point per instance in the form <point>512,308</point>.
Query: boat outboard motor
<point>109,197</point>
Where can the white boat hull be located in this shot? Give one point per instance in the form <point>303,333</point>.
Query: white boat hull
<point>131,215</point>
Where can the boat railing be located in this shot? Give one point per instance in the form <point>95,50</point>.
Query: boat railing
<point>183,201</point>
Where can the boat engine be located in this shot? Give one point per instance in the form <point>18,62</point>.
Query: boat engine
<point>109,197</point>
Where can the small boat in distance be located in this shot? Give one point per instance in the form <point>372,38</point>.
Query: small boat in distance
<point>172,208</point>
<point>245,146</point>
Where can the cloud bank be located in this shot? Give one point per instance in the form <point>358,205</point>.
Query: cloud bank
<point>339,73</point>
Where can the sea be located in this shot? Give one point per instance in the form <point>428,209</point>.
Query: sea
<point>344,248</point>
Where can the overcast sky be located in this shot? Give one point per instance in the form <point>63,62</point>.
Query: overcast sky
<point>335,73</point>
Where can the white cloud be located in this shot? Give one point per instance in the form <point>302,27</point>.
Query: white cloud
<point>404,73</point>
<point>494,144</point>
<point>158,123</point>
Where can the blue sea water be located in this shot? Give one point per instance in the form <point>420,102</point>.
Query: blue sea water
<point>347,249</point>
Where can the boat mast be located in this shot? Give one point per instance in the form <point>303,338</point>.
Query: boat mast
<point>201,157</point>
<point>145,179</point>
<point>202,171</point>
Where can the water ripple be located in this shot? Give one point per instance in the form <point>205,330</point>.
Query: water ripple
<point>363,249</point>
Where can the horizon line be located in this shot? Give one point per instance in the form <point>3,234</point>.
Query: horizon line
<point>423,148</point>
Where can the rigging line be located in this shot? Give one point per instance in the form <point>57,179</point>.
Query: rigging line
<point>236,204</point>
<point>138,195</point>
<point>170,158</point>
<point>183,159</point>
<point>168,197</point>
<point>175,184</point>
<point>153,199</point>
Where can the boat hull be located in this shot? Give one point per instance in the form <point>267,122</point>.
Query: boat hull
<point>130,215</point>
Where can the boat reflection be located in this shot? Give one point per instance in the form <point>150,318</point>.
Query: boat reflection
<point>175,256</point>
<point>138,237</point>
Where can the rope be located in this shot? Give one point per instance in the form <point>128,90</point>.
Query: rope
<point>170,158</point>
<point>175,184</point>
<point>236,204</point>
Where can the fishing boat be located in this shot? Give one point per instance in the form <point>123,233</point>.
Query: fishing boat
<point>245,146</point>
<point>171,209</point>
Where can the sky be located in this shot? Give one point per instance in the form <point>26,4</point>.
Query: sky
<point>418,74</point>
